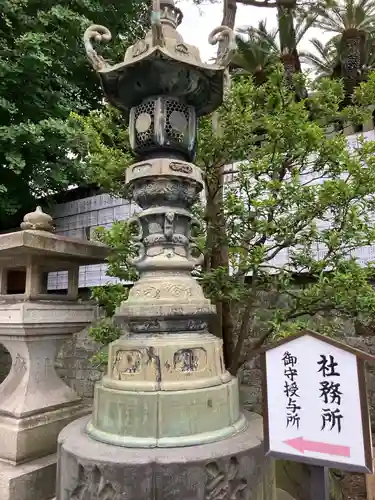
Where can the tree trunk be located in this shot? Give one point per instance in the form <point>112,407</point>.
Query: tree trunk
<point>287,33</point>
<point>288,44</point>
<point>216,234</point>
<point>218,255</point>
<point>353,43</point>
<point>229,16</point>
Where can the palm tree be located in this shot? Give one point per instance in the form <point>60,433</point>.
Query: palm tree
<point>289,37</point>
<point>353,21</point>
<point>257,51</point>
<point>358,15</point>
<point>324,60</point>
<point>289,13</point>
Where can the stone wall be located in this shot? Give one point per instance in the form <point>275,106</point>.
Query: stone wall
<point>367,344</point>
<point>74,365</point>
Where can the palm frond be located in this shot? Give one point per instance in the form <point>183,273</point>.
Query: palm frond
<point>351,14</point>
<point>303,25</point>
<point>325,57</point>
<point>257,47</point>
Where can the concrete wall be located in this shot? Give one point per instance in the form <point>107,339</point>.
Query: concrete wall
<point>79,219</point>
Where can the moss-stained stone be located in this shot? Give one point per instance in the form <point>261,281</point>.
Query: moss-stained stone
<point>269,483</point>
<point>283,495</point>
<point>335,487</point>
<point>294,478</point>
<point>266,488</point>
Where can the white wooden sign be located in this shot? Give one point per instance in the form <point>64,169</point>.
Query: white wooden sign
<point>315,403</point>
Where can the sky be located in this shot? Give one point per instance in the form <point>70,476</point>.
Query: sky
<point>199,22</point>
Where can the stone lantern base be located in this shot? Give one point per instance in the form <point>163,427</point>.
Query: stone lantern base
<point>234,468</point>
<point>33,480</point>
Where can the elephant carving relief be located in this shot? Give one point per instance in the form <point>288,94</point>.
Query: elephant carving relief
<point>126,362</point>
<point>190,360</point>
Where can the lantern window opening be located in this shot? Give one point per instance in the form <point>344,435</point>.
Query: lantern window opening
<point>14,281</point>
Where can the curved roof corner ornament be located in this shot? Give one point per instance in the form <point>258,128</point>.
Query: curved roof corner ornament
<point>221,34</point>
<point>96,33</point>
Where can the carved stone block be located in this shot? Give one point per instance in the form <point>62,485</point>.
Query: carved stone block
<point>35,404</point>
<point>232,469</point>
<point>134,365</point>
<point>190,360</point>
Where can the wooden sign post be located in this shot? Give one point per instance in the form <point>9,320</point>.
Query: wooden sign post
<point>315,406</point>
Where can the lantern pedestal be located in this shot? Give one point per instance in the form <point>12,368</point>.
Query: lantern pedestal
<point>167,391</point>
<point>35,404</point>
<point>234,468</point>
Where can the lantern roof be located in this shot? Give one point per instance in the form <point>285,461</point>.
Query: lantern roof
<point>162,64</point>
<point>37,239</point>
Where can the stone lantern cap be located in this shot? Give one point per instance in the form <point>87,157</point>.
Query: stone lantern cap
<point>54,246</point>
<point>162,64</point>
<point>173,70</point>
<point>28,256</point>
<point>38,239</point>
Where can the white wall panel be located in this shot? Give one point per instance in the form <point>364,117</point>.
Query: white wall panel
<point>76,218</point>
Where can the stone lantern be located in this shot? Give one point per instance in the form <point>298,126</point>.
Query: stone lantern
<point>166,421</point>
<point>35,404</point>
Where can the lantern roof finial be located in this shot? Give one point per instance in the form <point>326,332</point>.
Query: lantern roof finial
<point>38,220</point>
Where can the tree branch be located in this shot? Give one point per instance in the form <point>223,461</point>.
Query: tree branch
<point>260,3</point>
<point>241,338</point>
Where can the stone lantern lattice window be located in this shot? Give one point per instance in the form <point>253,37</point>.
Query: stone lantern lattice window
<point>163,122</point>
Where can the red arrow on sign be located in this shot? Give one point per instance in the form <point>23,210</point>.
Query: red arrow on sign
<point>303,445</point>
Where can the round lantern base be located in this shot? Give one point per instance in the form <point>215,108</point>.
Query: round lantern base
<point>235,467</point>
